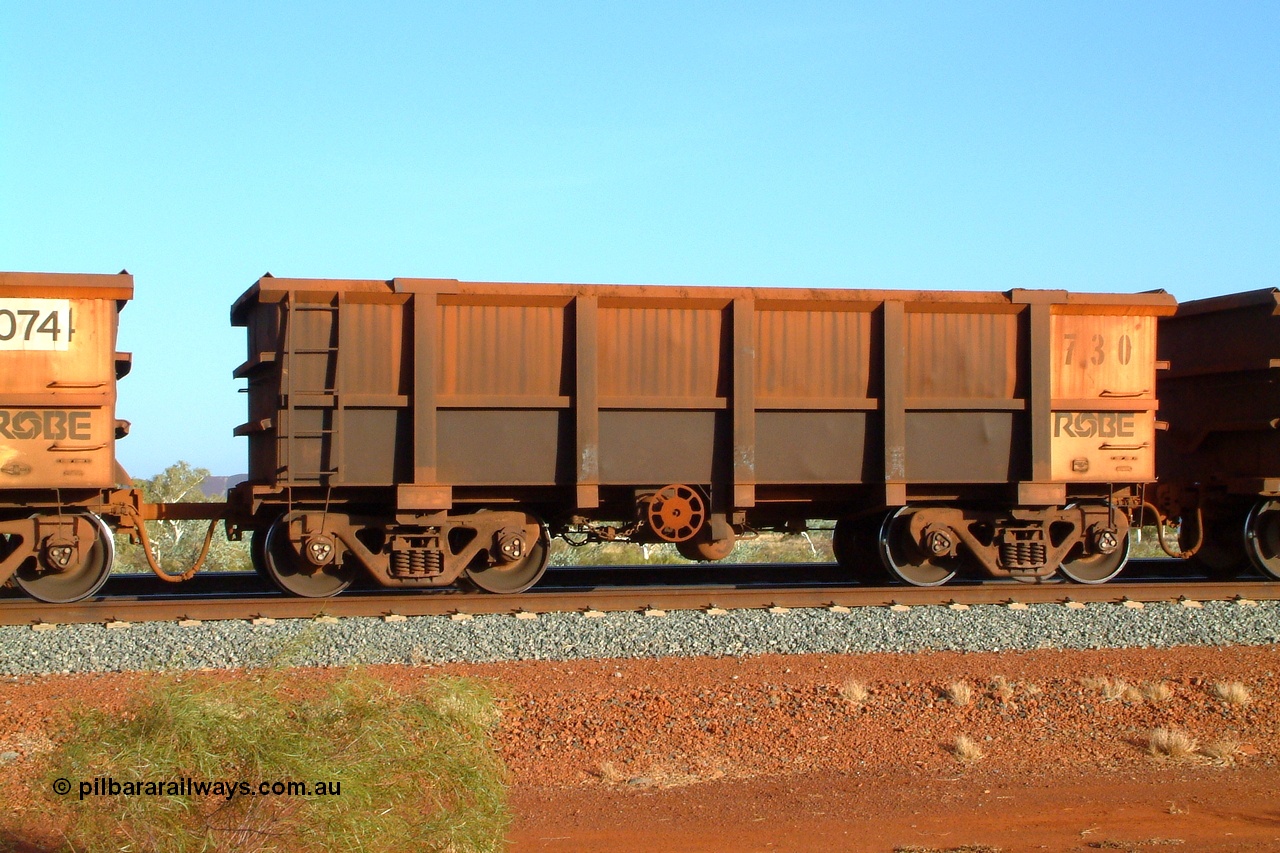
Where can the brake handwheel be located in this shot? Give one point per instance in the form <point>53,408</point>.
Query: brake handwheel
<point>677,513</point>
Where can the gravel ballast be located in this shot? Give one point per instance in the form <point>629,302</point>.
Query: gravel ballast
<point>573,636</point>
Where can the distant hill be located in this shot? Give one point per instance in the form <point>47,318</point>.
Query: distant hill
<point>216,487</point>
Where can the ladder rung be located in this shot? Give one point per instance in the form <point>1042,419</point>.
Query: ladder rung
<point>290,395</point>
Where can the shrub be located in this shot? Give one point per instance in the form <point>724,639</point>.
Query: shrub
<point>959,692</point>
<point>1133,694</point>
<point>1002,689</point>
<point>854,691</point>
<point>415,772</point>
<point>1113,690</point>
<point>1232,692</point>
<point>1223,750</point>
<point>176,544</point>
<point>1171,743</point>
<point>966,750</point>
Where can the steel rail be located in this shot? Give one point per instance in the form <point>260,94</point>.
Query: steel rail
<point>444,602</point>
<point>230,584</point>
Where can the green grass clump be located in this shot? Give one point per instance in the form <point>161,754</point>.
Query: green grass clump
<point>415,772</point>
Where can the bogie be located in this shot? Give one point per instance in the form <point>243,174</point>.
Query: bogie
<point>319,554</point>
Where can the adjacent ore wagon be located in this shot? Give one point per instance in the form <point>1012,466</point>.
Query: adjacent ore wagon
<point>423,431</point>
<point>1220,462</point>
<point>58,428</point>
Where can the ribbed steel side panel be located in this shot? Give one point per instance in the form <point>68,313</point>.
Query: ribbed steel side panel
<point>964,355</point>
<point>1221,394</point>
<point>816,354</point>
<point>381,362</point>
<point>501,350</point>
<point>662,352</point>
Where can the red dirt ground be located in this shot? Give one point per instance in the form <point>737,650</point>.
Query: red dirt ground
<point>772,753</point>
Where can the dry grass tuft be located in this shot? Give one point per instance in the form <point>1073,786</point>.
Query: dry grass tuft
<point>609,773</point>
<point>1111,690</point>
<point>1222,750</point>
<point>1119,690</point>
<point>1171,743</point>
<point>966,750</point>
<point>1094,683</point>
<point>959,692</point>
<point>1114,690</point>
<point>1232,692</point>
<point>1002,689</point>
<point>854,691</point>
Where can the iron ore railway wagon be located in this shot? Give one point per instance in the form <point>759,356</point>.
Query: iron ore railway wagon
<point>1220,462</point>
<point>423,431</point>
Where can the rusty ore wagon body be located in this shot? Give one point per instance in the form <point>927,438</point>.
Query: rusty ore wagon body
<point>58,428</point>
<point>425,430</point>
<point>1221,397</point>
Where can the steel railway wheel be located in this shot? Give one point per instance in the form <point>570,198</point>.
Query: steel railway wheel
<point>76,583</point>
<point>905,560</point>
<point>258,552</point>
<point>1097,568</point>
<point>706,550</point>
<point>1222,552</point>
<point>290,571</point>
<point>856,545</point>
<point>1262,537</point>
<point>523,573</point>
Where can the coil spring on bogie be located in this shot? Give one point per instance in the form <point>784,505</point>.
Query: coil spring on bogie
<point>1023,554</point>
<point>418,563</point>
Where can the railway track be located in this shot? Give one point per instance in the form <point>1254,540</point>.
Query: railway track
<point>615,589</point>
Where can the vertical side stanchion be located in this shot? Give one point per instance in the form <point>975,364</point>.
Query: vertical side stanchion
<point>587,401</point>
<point>894,403</point>
<point>744,402</point>
<point>1041,402</point>
<point>425,334</point>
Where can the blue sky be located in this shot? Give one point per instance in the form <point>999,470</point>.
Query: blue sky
<point>1089,146</point>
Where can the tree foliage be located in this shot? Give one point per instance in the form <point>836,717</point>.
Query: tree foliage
<point>176,544</point>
